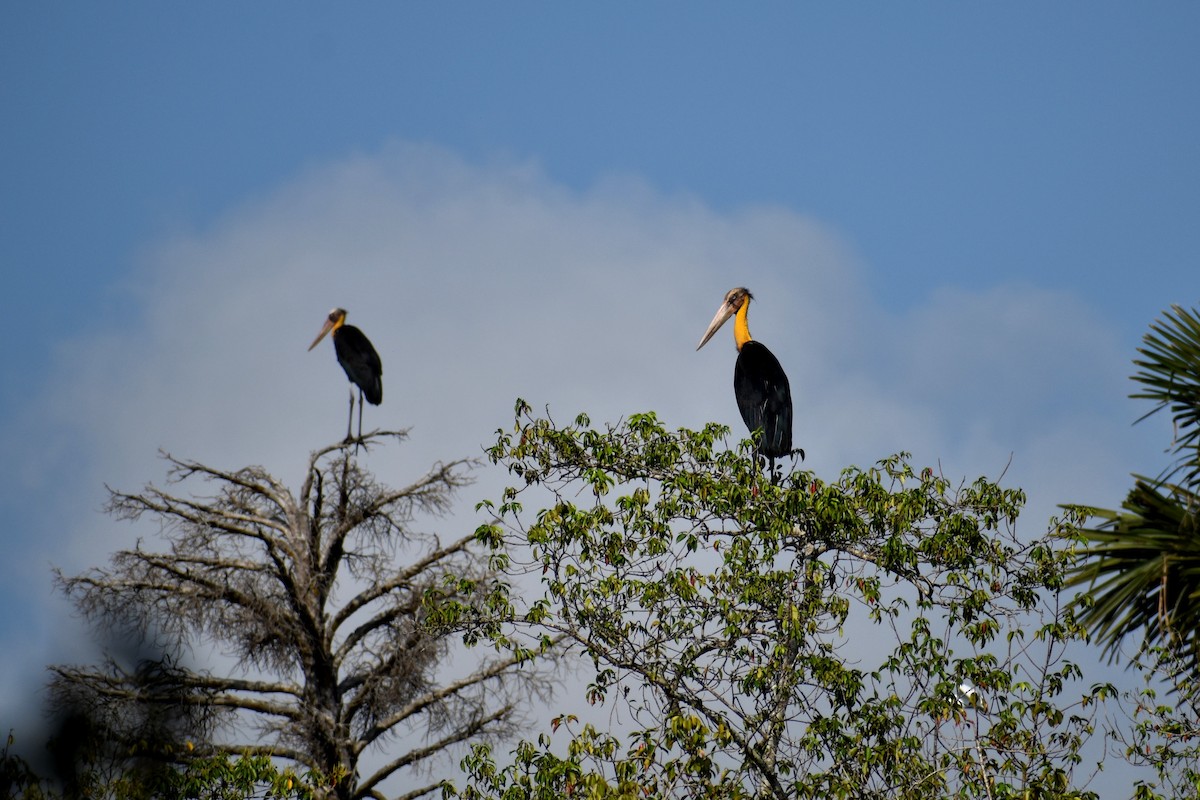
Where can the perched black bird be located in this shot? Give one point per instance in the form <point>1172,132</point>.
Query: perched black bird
<point>759,383</point>
<point>358,357</point>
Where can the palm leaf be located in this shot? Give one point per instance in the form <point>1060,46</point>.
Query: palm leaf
<point>1142,570</point>
<point>1169,372</point>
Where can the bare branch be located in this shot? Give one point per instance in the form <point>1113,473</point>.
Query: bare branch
<point>491,672</point>
<point>414,794</point>
<point>399,579</point>
<point>467,731</point>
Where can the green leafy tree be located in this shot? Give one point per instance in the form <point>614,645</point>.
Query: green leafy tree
<point>884,634</point>
<point>1159,726</point>
<point>317,601</point>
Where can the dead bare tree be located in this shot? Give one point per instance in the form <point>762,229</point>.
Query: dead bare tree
<point>319,600</point>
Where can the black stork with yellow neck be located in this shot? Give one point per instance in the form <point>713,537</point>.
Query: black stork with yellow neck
<point>759,383</point>
<point>360,361</point>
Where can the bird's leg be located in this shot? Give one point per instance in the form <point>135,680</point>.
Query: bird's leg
<point>350,419</point>
<point>360,408</point>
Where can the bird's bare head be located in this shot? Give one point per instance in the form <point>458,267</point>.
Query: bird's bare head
<point>734,300</point>
<point>336,318</point>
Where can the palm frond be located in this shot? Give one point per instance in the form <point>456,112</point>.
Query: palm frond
<point>1142,571</point>
<point>1169,372</point>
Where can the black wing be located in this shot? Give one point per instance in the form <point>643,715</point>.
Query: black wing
<point>764,398</point>
<point>358,357</point>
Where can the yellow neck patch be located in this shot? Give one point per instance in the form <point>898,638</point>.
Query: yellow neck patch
<point>741,328</point>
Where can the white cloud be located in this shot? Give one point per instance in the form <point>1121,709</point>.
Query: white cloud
<point>479,284</point>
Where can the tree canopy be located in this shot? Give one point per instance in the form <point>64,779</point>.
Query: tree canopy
<point>884,633</point>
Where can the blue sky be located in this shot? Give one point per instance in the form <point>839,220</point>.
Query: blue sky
<point>958,220</point>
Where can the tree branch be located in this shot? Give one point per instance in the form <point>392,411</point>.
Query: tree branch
<point>413,756</point>
<point>400,579</point>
